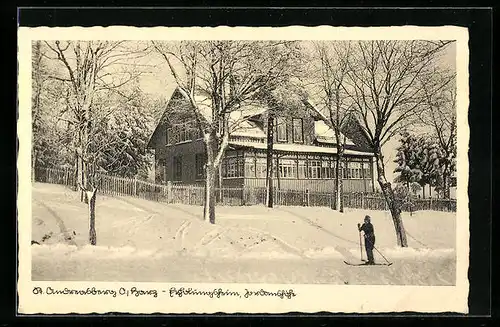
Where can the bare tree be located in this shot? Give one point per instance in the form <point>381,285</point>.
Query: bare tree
<point>38,79</point>
<point>385,85</point>
<point>283,102</point>
<point>89,69</point>
<point>225,75</point>
<point>335,104</point>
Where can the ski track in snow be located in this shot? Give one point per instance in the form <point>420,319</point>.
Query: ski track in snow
<point>319,227</point>
<point>210,237</point>
<point>285,246</point>
<point>214,253</point>
<point>62,227</point>
<point>180,234</point>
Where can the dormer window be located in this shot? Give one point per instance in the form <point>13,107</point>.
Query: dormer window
<point>281,129</point>
<point>298,130</point>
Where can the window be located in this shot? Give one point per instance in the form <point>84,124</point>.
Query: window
<point>333,172</point>
<point>250,167</point>
<point>200,160</point>
<point>261,168</point>
<point>314,169</point>
<point>355,168</point>
<point>325,168</point>
<point>298,134</point>
<point>354,171</point>
<point>182,132</point>
<point>367,171</point>
<point>177,168</point>
<point>302,168</point>
<point>281,129</point>
<point>287,168</point>
<point>240,167</point>
<point>233,167</point>
<point>343,170</point>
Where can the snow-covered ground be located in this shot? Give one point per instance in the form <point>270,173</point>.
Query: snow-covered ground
<point>139,240</point>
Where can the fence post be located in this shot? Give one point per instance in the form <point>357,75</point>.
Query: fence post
<point>430,204</point>
<point>135,186</point>
<point>307,197</point>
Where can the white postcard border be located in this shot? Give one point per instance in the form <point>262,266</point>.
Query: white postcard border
<point>309,298</point>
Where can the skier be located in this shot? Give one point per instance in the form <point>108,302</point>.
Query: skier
<point>369,233</point>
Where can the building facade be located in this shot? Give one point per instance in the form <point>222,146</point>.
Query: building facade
<point>304,154</point>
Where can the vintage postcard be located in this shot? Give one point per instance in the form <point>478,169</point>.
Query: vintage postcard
<point>243,170</point>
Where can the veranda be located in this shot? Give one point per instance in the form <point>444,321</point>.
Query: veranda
<point>296,171</point>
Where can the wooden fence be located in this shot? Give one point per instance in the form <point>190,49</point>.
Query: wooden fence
<point>194,195</point>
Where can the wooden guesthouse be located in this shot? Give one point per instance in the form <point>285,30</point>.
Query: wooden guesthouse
<point>304,150</point>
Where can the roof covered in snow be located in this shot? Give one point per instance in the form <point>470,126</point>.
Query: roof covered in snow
<point>246,109</point>
<point>297,148</point>
<point>325,134</point>
<point>241,126</point>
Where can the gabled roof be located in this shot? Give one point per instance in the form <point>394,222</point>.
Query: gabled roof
<point>241,123</point>
<point>351,130</point>
<point>162,118</point>
<point>238,119</point>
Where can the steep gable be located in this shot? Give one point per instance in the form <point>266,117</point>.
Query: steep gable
<point>353,130</point>
<point>248,121</point>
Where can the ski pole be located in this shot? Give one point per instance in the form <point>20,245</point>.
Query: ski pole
<point>379,252</point>
<point>360,246</point>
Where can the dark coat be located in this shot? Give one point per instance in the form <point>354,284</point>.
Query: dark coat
<point>369,232</point>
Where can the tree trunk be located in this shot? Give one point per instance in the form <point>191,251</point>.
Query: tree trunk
<point>91,195</point>
<point>209,205</point>
<point>339,185</point>
<point>336,202</point>
<point>219,181</point>
<point>210,170</point>
<point>269,160</point>
<point>392,202</point>
<point>76,174</point>
<point>79,180</point>
<point>82,170</point>
<point>83,180</point>
<point>423,191</point>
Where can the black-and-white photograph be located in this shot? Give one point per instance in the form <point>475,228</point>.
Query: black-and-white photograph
<point>282,161</point>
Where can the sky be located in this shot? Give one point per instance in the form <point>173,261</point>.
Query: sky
<point>158,82</point>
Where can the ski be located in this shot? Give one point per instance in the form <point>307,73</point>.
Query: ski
<point>365,264</point>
